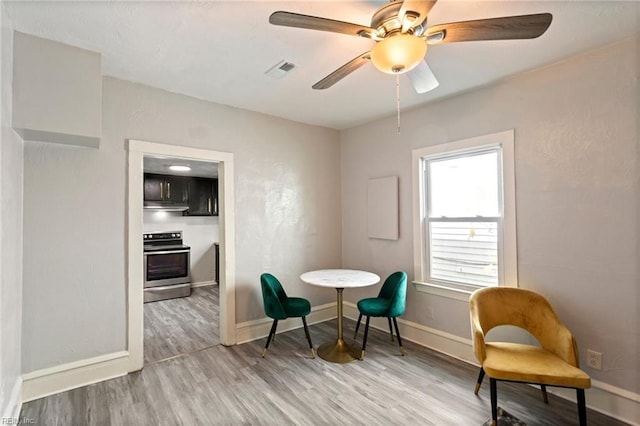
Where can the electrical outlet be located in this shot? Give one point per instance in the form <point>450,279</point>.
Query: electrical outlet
<point>594,359</point>
<point>429,312</point>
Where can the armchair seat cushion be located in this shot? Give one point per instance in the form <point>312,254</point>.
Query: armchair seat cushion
<point>296,307</point>
<point>531,364</point>
<point>374,306</point>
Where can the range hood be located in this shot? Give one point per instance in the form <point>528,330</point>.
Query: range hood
<point>165,207</point>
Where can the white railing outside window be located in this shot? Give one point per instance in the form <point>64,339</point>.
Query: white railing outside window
<point>464,252</point>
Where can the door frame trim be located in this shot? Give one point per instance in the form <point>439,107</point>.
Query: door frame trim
<point>137,149</point>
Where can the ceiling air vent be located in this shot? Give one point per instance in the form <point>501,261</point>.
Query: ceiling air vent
<point>280,69</point>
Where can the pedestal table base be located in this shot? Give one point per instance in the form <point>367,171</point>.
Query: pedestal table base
<point>338,351</point>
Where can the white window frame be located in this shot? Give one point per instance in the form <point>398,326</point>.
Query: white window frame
<point>507,242</point>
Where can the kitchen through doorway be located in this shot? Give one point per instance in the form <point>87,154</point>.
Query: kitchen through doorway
<point>178,325</point>
<point>181,257</point>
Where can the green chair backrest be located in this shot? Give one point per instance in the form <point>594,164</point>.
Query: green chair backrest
<point>273,295</point>
<point>395,289</point>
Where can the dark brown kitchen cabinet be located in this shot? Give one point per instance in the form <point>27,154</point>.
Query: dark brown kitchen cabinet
<point>165,188</point>
<point>203,197</point>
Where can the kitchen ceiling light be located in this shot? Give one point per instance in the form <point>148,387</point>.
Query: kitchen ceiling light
<point>180,168</point>
<point>398,54</point>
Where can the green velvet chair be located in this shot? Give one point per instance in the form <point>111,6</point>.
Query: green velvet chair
<point>553,363</point>
<point>279,306</point>
<point>390,303</point>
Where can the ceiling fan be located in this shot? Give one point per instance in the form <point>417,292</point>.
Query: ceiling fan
<point>401,35</point>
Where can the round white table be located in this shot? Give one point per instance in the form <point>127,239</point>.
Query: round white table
<point>339,279</point>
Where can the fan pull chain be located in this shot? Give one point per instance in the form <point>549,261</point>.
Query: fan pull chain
<point>398,99</point>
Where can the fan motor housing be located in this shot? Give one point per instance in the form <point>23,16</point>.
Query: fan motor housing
<point>385,20</point>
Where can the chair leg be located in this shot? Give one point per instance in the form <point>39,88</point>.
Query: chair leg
<point>545,398</point>
<point>582,407</point>
<point>357,326</point>
<point>306,331</point>
<point>364,339</point>
<point>390,328</point>
<point>271,334</point>
<point>395,322</point>
<point>480,377</point>
<point>494,401</point>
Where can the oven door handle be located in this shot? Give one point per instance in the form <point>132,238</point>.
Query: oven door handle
<point>150,253</point>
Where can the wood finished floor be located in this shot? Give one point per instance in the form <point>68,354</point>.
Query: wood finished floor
<point>235,386</point>
<point>179,326</point>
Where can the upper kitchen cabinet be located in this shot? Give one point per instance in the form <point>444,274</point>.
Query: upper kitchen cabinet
<point>57,92</point>
<point>165,189</point>
<point>203,197</point>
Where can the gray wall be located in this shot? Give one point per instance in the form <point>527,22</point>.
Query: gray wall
<point>576,141</point>
<point>287,183</point>
<point>10,236</point>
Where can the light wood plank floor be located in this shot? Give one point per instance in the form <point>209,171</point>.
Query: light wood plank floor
<point>235,386</point>
<point>179,326</point>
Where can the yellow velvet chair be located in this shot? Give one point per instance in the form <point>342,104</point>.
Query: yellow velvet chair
<point>553,363</point>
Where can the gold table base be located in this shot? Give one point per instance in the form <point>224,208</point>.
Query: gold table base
<point>338,351</point>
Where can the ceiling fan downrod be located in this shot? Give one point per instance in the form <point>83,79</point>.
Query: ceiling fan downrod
<point>398,99</point>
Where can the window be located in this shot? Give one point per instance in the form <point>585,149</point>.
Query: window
<point>464,215</point>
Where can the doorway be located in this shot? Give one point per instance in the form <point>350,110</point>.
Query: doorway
<point>138,150</point>
<point>181,238</point>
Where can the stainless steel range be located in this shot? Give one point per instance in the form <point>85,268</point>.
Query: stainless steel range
<point>166,266</point>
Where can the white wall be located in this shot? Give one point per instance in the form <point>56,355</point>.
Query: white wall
<point>10,237</point>
<point>576,141</point>
<point>198,232</point>
<point>287,190</point>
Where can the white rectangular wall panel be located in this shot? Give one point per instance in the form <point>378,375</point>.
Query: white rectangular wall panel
<point>382,208</point>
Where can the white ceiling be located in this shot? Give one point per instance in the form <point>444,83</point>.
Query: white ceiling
<point>219,51</point>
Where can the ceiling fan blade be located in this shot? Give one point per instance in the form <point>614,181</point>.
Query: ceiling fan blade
<point>342,72</point>
<point>422,78</point>
<point>420,8</point>
<point>506,28</point>
<point>290,19</point>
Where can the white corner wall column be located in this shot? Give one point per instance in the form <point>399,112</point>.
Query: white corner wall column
<point>11,233</point>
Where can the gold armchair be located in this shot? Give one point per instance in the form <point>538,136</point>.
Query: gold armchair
<point>553,363</point>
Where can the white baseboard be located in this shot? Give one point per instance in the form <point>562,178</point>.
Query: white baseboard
<point>49,381</point>
<point>203,284</point>
<point>258,329</point>
<point>607,399</point>
<point>14,405</point>
<point>602,397</point>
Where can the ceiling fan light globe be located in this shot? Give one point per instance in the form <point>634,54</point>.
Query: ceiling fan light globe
<point>398,54</point>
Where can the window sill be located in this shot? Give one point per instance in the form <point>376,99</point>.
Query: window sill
<point>443,291</point>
